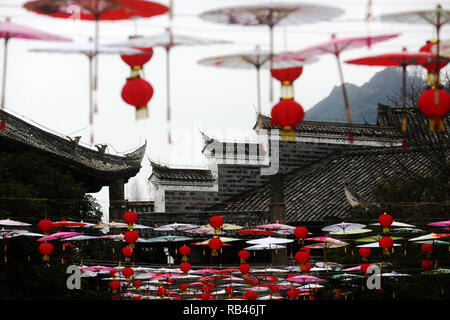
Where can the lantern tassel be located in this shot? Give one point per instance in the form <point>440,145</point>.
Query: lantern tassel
<point>436,124</point>
<point>142,113</point>
<point>287,134</point>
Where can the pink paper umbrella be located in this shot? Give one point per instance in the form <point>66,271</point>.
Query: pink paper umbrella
<point>303,278</point>
<point>336,46</point>
<point>275,226</point>
<point>9,30</point>
<point>59,235</point>
<point>440,224</point>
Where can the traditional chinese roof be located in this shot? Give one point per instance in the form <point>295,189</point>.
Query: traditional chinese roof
<point>96,165</point>
<point>168,174</point>
<point>318,191</point>
<point>317,129</point>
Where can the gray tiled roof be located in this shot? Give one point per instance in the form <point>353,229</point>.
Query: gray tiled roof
<point>165,173</point>
<point>24,136</point>
<point>317,191</point>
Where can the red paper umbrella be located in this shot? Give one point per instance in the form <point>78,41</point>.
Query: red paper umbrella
<point>399,59</point>
<point>336,46</point>
<point>64,223</point>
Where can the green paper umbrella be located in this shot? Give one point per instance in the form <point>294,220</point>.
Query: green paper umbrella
<point>375,238</point>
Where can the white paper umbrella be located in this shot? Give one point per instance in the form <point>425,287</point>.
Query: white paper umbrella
<point>254,60</point>
<point>271,15</point>
<point>343,226</point>
<point>265,247</point>
<point>13,223</point>
<point>375,245</point>
<point>431,236</point>
<point>90,50</point>
<point>269,240</point>
<point>80,237</point>
<point>396,224</point>
<point>167,40</point>
<point>176,227</point>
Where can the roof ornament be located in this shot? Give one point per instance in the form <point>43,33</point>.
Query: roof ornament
<point>101,147</point>
<point>75,140</point>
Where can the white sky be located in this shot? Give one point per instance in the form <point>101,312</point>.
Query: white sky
<point>52,89</point>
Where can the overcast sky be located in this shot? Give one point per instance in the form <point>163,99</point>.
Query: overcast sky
<point>52,89</point>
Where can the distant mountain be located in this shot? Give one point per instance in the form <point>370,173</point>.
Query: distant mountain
<point>363,100</point>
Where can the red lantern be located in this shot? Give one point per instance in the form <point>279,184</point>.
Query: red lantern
<point>229,290</point>
<point>128,272</point>
<point>138,92</point>
<point>185,267</point>
<point>127,252</point>
<point>243,255</point>
<point>206,288</point>
<point>287,76</point>
<point>131,237</point>
<point>431,67</point>
<point>45,226</point>
<point>385,220</point>
<point>364,253</point>
<point>138,297</point>
<point>161,292</point>
<point>137,61</point>
<point>275,288</point>
<point>215,244</point>
<point>427,248</point>
<point>114,285</point>
<point>137,284</point>
<point>293,293</point>
<point>130,217</point>
<point>184,251</point>
<point>305,267</point>
<point>301,233</point>
<point>427,265</point>
<point>386,243</point>
<point>250,295</point>
<point>205,296</point>
<point>183,287</point>
<point>244,268</point>
<point>434,104</point>
<point>45,249</point>
<point>216,222</point>
<point>302,256</point>
<point>287,114</point>
<point>364,267</point>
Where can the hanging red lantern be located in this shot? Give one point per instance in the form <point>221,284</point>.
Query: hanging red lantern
<point>302,256</point>
<point>206,288</point>
<point>137,61</point>
<point>431,67</point>
<point>427,248</point>
<point>229,291</point>
<point>287,114</point>
<point>184,251</point>
<point>137,284</point>
<point>46,249</point>
<point>127,272</point>
<point>364,253</point>
<point>434,108</point>
<point>114,285</point>
<point>301,233</point>
<point>427,265</point>
<point>127,253</point>
<point>275,288</point>
<point>130,217</point>
<point>138,92</point>
<point>385,220</point>
<point>250,295</point>
<point>45,226</point>
<point>244,269</point>
<point>216,222</point>
<point>305,267</point>
<point>386,243</point>
<point>185,267</point>
<point>364,268</point>
<point>287,76</point>
<point>205,296</point>
<point>243,255</point>
<point>215,244</point>
<point>131,237</point>
<point>161,292</point>
<point>293,294</point>
<point>183,287</point>
<point>113,272</point>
